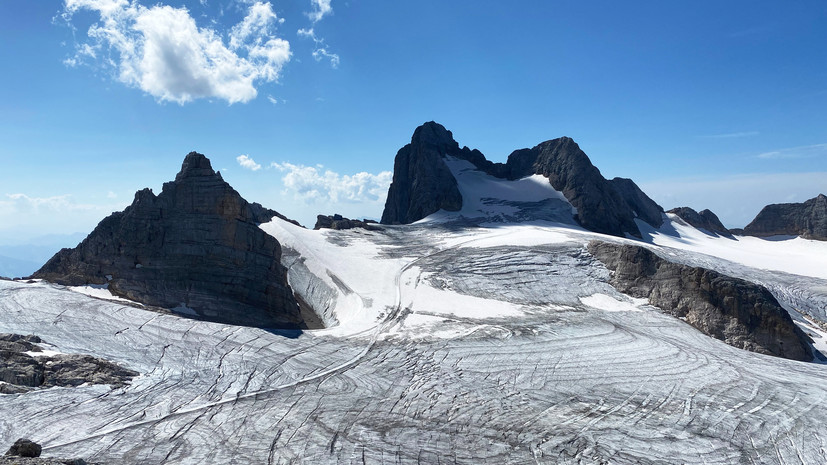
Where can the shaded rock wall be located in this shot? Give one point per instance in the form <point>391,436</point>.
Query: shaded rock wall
<point>807,219</point>
<point>738,312</point>
<point>197,243</point>
<point>422,183</point>
<point>642,205</point>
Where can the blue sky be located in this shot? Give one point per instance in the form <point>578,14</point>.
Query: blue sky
<point>715,105</point>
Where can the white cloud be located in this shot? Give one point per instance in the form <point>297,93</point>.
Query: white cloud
<point>321,51</point>
<point>25,203</point>
<point>162,51</point>
<point>247,162</point>
<point>321,8</point>
<point>255,25</point>
<point>314,183</point>
<point>806,151</point>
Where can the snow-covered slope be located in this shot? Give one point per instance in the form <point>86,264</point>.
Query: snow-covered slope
<point>781,253</point>
<point>471,337</point>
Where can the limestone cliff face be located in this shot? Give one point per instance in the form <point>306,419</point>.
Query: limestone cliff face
<point>197,243</point>
<point>422,183</point>
<point>740,313</point>
<point>807,219</point>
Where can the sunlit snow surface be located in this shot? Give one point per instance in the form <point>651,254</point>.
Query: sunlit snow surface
<point>454,345</point>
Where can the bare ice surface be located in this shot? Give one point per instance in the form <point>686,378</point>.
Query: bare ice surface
<point>447,344</point>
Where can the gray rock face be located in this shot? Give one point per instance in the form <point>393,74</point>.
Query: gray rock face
<point>807,219</point>
<point>740,313</point>
<point>642,205</point>
<point>705,219</point>
<point>24,448</point>
<point>197,243</point>
<point>339,222</point>
<point>422,183</point>
<point>22,371</point>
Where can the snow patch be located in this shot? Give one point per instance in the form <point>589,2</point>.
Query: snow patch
<point>430,300</point>
<point>184,310</point>
<point>610,304</point>
<point>43,353</point>
<point>101,291</point>
<point>484,196</point>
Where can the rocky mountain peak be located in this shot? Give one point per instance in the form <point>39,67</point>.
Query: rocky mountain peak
<point>196,245</point>
<point>422,183</point>
<point>434,135</point>
<point>195,165</point>
<point>705,219</point>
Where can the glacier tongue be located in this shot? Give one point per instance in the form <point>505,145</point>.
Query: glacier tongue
<point>449,344</point>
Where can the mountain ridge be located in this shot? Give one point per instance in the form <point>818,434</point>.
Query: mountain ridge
<point>196,246</point>
<point>421,187</point>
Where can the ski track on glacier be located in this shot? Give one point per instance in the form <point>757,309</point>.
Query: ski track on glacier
<point>566,383</point>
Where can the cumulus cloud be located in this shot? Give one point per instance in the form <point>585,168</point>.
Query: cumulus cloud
<point>314,183</point>
<point>162,51</point>
<point>247,162</point>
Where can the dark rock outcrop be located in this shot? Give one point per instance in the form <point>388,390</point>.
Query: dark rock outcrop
<point>337,221</point>
<point>22,371</point>
<point>705,219</point>
<point>740,313</point>
<point>422,184</point>
<point>196,243</point>
<point>642,205</point>
<point>24,448</point>
<point>807,219</point>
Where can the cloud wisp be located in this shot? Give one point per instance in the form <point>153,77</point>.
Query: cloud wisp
<point>732,135</point>
<point>162,51</point>
<point>321,8</point>
<point>316,184</point>
<point>805,151</point>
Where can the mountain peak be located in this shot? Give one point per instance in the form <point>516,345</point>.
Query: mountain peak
<point>434,134</point>
<point>196,243</point>
<point>195,165</point>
